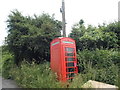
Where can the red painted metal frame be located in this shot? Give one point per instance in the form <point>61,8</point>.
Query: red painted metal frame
<point>57,60</point>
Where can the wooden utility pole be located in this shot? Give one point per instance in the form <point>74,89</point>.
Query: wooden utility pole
<point>62,10</point>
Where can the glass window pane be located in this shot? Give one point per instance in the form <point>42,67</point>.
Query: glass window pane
<point>70,69</point>
<point>70,59</point>
<point>69,54</point>
<point>69,64</point>
<point>69,49</point>
<point>70,75</point>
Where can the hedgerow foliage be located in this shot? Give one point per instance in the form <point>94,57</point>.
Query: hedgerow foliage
<point>35,76</point>
<point>29,37</point>
<point>100,65</point>
<point>101,37</point>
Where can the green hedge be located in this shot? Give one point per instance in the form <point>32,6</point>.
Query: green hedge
<point>100,65</point>
<point>7,62</point>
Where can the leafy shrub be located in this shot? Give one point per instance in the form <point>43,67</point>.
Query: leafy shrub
<point>98,58</point>
<point>115,56</point>
<point>35,76</point>
<point>77,82</point>
<point>29,37</point>
<point>103,36</point>
<point>99,65</point>
<point>7,62</point>
<point>108,75</point>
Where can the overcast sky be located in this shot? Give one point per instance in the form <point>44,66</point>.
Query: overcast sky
<point>91,11</point>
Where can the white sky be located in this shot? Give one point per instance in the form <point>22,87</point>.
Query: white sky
<point>91,11</point>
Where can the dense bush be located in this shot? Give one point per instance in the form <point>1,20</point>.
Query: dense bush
<point>108,75</point>
<point>7,62</point>
<point>35,76</point>
<point>28,75</point>
<point>102,37</point>
<point>29,37</point>
<point>99,65</point>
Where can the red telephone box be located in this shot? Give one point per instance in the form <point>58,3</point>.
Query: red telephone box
<point>63,58</point>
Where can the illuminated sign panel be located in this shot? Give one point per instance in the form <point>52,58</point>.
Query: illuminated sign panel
<point>68,42</point>
<point>55,43</point>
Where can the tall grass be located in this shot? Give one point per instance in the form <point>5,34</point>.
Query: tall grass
<point>35,76</point>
